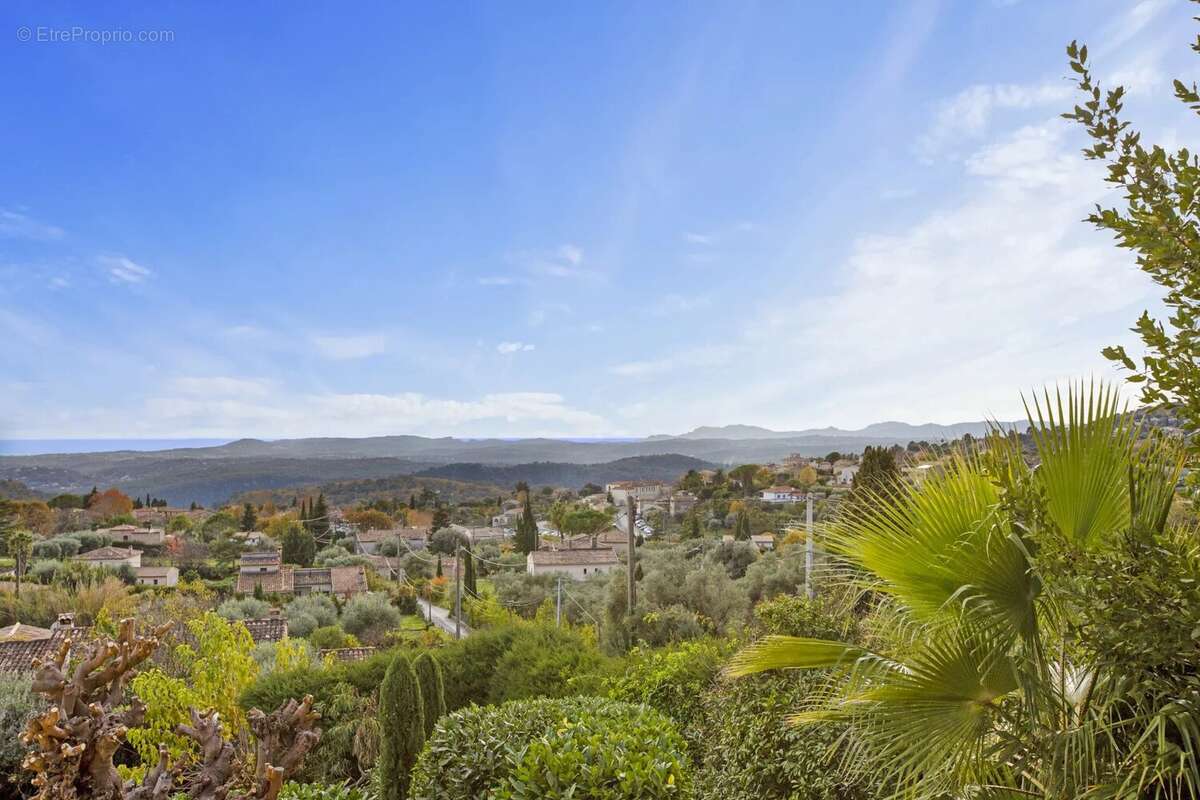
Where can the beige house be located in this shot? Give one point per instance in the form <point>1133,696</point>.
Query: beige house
<point>111,557</point>
<point>575,564</point>
<point>640,491</point>
<point>132,534</point>
<point>265,570</point>
<point>763,541</point>
<point>367,543</point>
<point>157,576</point>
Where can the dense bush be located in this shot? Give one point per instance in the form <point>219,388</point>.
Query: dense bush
<point>311,611</point>
<point>540,662</point>
<point>672,680</point>
<point>508,662</point>
<point>18,704</point>
<point>602,748</point>
<point>321,791</point>
<point>468,665</point>
<point>244,608</point>
<point>370,617</point>
<point>751,751</point>
<point>331,637</point>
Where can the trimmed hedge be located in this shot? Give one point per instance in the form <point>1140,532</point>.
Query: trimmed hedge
<point>580,747</point>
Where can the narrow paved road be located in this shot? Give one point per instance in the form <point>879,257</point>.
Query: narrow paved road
<point>441,617</point>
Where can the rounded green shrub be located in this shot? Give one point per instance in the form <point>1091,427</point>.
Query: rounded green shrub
<point>579,747</point>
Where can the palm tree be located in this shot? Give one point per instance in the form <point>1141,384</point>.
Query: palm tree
<point>20,547</point>
<point>981,685</point>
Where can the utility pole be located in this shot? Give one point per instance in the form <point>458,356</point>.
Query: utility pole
<point>632,593</point>
<point>558,605</point>
<point>810,589</point>
<point>457,593</point>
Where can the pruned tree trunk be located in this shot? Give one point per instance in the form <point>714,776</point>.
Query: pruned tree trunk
<point>71,745</point>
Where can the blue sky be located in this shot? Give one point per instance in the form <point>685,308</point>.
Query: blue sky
<point>622,219</point>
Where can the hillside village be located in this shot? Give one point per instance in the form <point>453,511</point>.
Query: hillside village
<point>340,343</point>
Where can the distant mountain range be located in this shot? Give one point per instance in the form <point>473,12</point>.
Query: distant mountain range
<point>929,432</point>
<point>212,474</point>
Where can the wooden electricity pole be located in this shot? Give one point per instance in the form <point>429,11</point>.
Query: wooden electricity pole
<point>632,594</point>
<point>810,589</point>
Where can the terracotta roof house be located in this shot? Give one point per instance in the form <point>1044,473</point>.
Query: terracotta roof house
<point>267,629</point>
<point>265,570</point>
<point>132,534</point>
<point>19,655</point>
<point>763,541</point>
<point>480,535</point>
<point>387,567</point>
<point>113,557</point>
<point>577,564</point>
<point>346,654</point>
<point>19,632</point>
<point>367,542</point>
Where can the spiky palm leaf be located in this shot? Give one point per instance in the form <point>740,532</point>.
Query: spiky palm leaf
<point>979,702</point>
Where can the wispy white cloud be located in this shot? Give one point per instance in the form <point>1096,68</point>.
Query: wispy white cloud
<point>671,304</point>
<point>564,261</point>
<point>58,282</point>
<point>497,280</point>
<point>220,386</point>
<point>507,348</point>
<point>124,270</point>
<point>694,358</point>
<point>967,115</point>
<point>344,348</point>
<point>15,225</point>
<point>214,407</point>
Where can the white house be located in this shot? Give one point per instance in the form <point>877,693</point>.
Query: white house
<point>576,564</point>
<point>846,475</point>
<point>782,494</point>
<point>157,576</point>
<point>111,557</point>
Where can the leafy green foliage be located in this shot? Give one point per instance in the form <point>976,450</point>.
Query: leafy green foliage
<point>370,617</point>
<point>994,668</point>
<point>507,662</point>
<point>671,679</point>
<point>219,666</point>
<point>308,612</point>
<point>1160,221</point>
<point>540,662</point>
<point>18,704</point>
<point>299,546</point>
<point>543,748</point>
<point>321,791</point>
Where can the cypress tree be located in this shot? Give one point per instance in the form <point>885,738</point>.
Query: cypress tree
<point>527,531</point>
<point>439,566</point>
<point>741,530</point>
<point>433,692</point>
<point>320,516</point>
<point>469,574</point>
<point>402,725</point>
